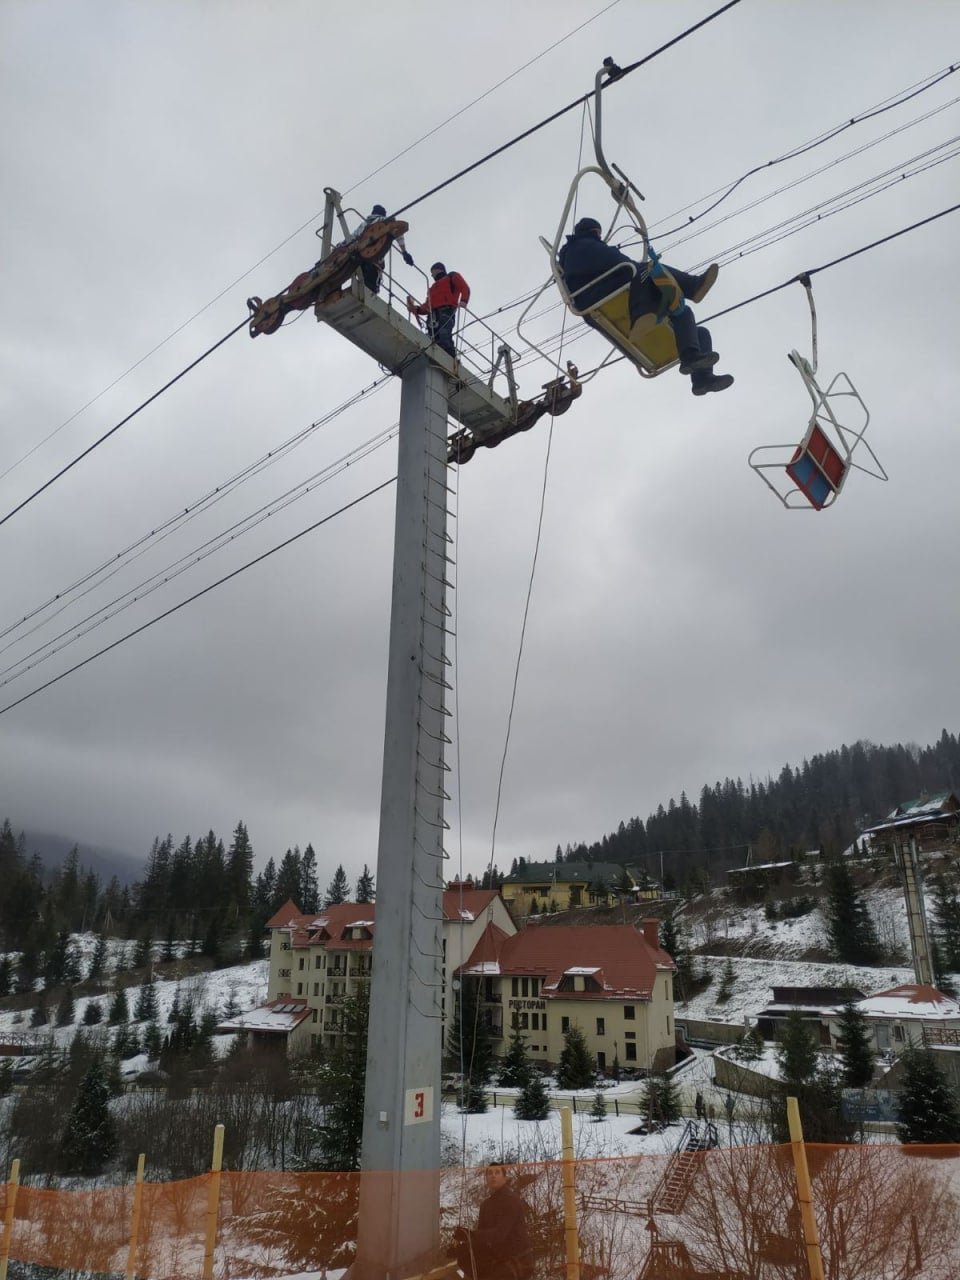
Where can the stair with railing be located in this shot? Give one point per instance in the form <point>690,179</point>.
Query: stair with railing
<point>674,1187</point>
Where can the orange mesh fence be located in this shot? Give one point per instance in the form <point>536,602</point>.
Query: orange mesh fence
<point>882,1213</point>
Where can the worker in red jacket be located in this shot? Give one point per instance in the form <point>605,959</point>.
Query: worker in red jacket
<point>448,291</point>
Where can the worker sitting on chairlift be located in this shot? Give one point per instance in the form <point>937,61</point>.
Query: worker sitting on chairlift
<point>448,291</point>
<point>585,257</point>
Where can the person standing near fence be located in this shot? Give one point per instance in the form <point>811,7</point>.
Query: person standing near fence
<point>498,1247</point>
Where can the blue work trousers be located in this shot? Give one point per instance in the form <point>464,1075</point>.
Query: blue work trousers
<point>645,299</point>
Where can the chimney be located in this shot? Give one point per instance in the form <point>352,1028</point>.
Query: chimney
<point>651,931</point>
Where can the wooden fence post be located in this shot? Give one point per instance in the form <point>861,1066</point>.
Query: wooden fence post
<point>135,1218</point>
<point>811,1239</point>
<point>12,1184</point>
<point>570,1234</point>
<point>213,1202</point>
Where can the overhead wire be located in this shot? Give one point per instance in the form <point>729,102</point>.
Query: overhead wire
<point>621,74</point>
<point>317,524</point>
<point>183,515</point>
<point>886,104</point>
<point>303,225</point>
<point>162,577</point>
<point>197,595</point>
<point>123,421</point>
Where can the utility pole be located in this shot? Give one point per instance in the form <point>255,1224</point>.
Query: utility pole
<point>399,1224</point>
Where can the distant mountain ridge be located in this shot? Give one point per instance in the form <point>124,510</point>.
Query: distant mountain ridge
<point>53,850</point>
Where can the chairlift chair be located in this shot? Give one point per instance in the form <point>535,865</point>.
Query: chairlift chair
<point>650,345</point>
<point>810,475</point>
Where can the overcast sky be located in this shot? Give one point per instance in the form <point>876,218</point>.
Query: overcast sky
<point>683,626</point>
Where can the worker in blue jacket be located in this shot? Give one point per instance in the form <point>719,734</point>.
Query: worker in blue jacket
<point>593,270</point>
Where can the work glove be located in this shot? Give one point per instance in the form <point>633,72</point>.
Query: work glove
<point>408,258</point>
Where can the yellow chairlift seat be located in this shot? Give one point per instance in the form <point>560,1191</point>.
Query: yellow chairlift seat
<point>650,345</point>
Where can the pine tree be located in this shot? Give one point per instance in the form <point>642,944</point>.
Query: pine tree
<point>239,868</point>
<point>750,1047</point>
<point>853,935</point>
<point>599,1109</point>
<point>576,1068</point>
<point>89,1138</point>
<point>365,890</point>
<point>796,1053</point>
<point>146,1007</point>
<point>928,1109</point>
<point>532,1102</point>
<point>339,1136</point>
<point>946,890</point>
<point>727,981</point>
<point>65,1009</point>
<point>817,1088</point>
<point>660,1100</point>
<point>92,1014</point>
<point>143,951</point>
<point>6,975</point>
<point>337,889</point>
<point>40,1015</point>
<point>152,1041</point>
<point>515,1068</point>
<point>98,961</point>
<point>853,1048</point>
<point>309,896</point>
<point>119,1008</point>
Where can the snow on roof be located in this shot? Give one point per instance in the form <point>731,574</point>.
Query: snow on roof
<point>911,1001</point>
<point>468,916</point>
<point>582,969</point>
<point>279,1016</point>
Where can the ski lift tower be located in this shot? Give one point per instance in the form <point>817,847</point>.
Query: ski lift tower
<point>902,834</point>
<point>399,1219</point>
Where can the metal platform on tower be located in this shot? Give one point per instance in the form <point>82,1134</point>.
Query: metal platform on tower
<point>374,326</point>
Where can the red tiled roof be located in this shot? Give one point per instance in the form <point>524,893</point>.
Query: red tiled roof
<point>458,904</point>
<point>289,913</point>
<point>459,899</point>
<point>624,961</point>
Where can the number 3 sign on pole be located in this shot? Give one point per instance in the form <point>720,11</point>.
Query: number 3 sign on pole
<point>418,1105</point>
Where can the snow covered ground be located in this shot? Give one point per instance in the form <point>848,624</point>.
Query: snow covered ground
<point>711,921</point>
<point>755,980</point>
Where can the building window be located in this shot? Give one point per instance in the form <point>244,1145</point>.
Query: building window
<point>602,1063</point>
<point>285,946</point>
<point>630,1052</point>
<point>629,1035</point>
<point>317,961</point>
<point>316,988</point>
<point>543,1027</point>
<point>524,1021</point>
<point>601,1027</point>
<point>315,1012</point>
<point>534,986</point>
<point>897,1031</point>
<point>564,1024</point>
<point>301,962</point>
<point>299,988</point>
<point>283,973</point>
<point>525,986</point>
<point>668,1024</point>
<point>629,1012</point>
<point>534,1022</point>
<point>515,987</point>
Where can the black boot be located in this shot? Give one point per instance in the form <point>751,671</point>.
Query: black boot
<point>693,360</point>
<point>708,382</point>
<point>705,283</point>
